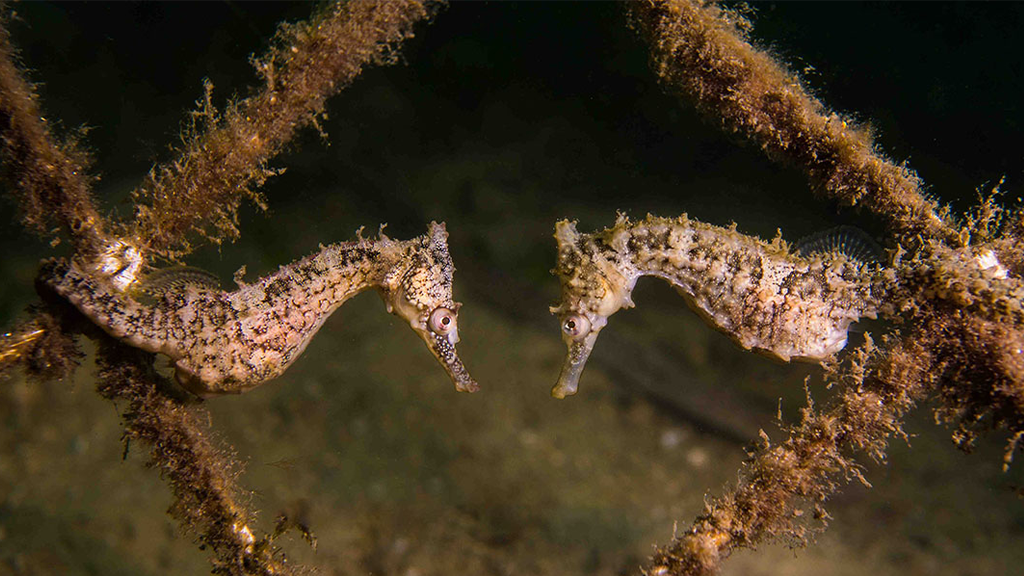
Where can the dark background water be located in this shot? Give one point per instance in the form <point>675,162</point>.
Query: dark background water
<point>499,119</point>
<point>504,117</point>
<point>562,90</point>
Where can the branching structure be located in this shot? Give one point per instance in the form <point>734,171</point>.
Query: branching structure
<point>225,161</point>
<point>49,177</point>
<point>949,282</point>
<point>700,51</point>
<point>220,163</point>
<point>955,284</point>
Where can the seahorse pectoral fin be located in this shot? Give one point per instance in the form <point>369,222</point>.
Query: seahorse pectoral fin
<point>443,348</point>
<point>575,361</point>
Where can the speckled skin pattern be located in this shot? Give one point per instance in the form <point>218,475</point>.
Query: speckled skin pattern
<point>229,342</point>
<point>763,297</point>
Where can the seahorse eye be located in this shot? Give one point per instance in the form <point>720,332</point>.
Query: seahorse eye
<point>442,321</point>
<point>576,326</point>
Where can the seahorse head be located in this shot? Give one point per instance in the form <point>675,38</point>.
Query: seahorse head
<point>592,290</point>
<point>419,290</point>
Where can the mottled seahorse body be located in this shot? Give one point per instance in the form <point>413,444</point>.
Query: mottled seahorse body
<point>228,342</point>
<point>761,295</point>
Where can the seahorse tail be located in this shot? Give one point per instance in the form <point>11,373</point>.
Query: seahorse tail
<point>117,314</point>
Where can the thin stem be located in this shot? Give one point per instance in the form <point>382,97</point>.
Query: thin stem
<point>697,49</point>
<point>807,468</point>
<point>202,190</point>
<point>202,478</point>
<point>46,176</point>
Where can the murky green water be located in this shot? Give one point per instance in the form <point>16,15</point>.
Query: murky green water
<point>501,119</point>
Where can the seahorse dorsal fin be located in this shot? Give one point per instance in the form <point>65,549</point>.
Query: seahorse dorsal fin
<point>159,283</point>
<point>848,241</point>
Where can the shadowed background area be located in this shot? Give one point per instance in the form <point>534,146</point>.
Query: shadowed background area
<point>499,119</point>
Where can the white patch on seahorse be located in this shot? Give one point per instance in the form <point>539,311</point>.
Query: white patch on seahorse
<point>988,261</point>
<point>120,263</point>
<point>785,306</point>
<point>229,342</point>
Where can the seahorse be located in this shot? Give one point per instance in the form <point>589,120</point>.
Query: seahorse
<point>229,342</point>
<point>785,305</point>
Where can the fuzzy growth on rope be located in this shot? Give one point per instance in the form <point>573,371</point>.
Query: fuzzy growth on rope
<point>42,346</point>
<point>782,489</point>
<point>47,177</point>
<point>202,478</point>
<point>700,51</point>
<point>223,159</point>
<point>959,287</point>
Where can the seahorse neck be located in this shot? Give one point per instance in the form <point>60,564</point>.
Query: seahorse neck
<point>662,247</point>
<point>328,278</point>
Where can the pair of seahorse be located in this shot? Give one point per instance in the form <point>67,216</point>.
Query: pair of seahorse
<point>790,305</point>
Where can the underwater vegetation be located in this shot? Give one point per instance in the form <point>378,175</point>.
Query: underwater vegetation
<point>219,166</point>
<point>948,282</point>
